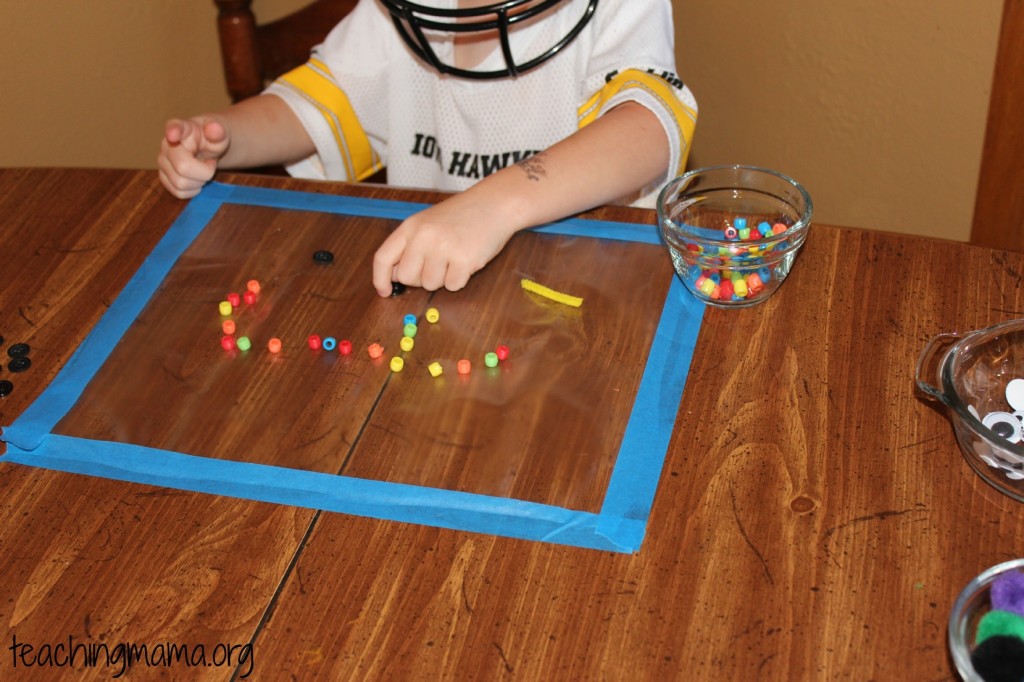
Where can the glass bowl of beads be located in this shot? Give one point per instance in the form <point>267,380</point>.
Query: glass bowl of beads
<point>979,376</point>
<point>733,232</point>
<point>986,625</point>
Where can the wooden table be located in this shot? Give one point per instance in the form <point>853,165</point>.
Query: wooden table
<point>814,518</point>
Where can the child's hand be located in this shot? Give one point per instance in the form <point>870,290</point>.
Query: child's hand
<point>189,153</point>
<point>441,246</point>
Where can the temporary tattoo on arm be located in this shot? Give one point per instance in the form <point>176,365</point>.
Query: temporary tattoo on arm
<point>533,166</point>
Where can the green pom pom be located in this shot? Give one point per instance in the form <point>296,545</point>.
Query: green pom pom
<point>999,623</point>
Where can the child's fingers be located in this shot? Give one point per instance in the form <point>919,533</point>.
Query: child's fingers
<point>410,268</point>
<point>175,130</point>
<point>181,172</point>
<point>385,263</point>
<point>433,272</point>
<point>457,276</point>
<point>214,141</point>
<point>183,188</point>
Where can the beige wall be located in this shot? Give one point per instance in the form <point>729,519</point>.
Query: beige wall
<point>877,106</point>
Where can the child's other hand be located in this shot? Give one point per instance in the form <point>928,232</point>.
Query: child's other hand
<point>441,246</point>
<point>189,153</point>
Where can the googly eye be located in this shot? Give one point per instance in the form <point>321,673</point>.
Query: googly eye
<point>1015,394</point>
<point>1004,425</point>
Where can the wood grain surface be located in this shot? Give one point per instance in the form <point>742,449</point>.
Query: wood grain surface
<point>814,518</point>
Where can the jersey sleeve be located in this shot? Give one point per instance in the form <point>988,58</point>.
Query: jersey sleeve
<point>634,60</point>
<point>333,102</point>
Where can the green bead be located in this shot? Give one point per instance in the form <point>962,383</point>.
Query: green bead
<point>491,359</point>
<point>410,330</point>
<point>243,343</point>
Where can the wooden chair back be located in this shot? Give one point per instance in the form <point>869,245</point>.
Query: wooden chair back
<point>254,54</point>
<point>999,203</point>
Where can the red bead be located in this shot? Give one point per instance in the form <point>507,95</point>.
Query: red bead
<point>345,347</point>
<point>501,352</point>
<point>227,342</point>
<point>726,290</point>
<point>234,299</point>
<point>249,297</point>
<point>314,342</point>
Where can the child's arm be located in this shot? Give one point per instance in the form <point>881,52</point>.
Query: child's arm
<point>442,246</point>
<point>255,132</point>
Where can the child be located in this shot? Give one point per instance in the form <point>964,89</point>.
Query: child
<point>531,110</point>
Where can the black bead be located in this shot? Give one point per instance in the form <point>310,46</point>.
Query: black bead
<point>397,288</point>
<point>18,349</point>
<point>324,257</point>
<point>19,364</point>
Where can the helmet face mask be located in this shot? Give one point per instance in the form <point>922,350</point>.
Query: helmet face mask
<point>417,21</point>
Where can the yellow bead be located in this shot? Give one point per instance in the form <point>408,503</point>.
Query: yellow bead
<point>397,363</point>
<point>407,343</point>
<point>432,315</point>
<point>740,287</point>
<point>225,308</point>
<point>435,369</point>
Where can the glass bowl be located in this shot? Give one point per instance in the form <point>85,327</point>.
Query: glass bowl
<point>733,232</point>
<point>972,604</point>
<point>972,371</point>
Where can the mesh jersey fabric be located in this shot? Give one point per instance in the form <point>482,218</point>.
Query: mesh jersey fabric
<point>367,101</point>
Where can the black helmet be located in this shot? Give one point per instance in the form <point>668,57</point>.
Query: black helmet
<point>412,18</point>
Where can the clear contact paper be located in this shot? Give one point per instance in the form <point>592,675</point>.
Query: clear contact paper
<point>150,397</point>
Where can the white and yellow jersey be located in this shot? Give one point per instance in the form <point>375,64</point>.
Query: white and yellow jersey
<point>367,101</point>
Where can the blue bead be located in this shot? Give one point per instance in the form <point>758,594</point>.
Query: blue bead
<point>765,229</point>
<point>329,343</point>
<point>409,319</point>
<point>765,274</point>
<point>740,223</point>
<point>716,278</point>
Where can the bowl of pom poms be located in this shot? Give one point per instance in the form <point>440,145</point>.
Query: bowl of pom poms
<point>979,376</point>
<point>733,232</point>
<point>986,625</point>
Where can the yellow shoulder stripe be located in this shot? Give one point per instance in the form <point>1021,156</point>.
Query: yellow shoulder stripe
<point>685,117</point>
<point>313,82</point>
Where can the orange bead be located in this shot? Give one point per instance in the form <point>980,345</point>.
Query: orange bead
<point>274,345</point>
<point>754,283</point>
<point>464,366</point>
<point>253,286</point>
<point>228,326</point>
<point>375,350</point>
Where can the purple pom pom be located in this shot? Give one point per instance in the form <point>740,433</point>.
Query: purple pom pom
<point>1007,593</point>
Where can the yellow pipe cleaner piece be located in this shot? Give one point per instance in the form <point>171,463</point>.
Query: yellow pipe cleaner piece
<point>574,301</point>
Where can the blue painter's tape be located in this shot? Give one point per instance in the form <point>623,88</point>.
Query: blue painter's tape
<point>62,393</point>
<point>619,526</point>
